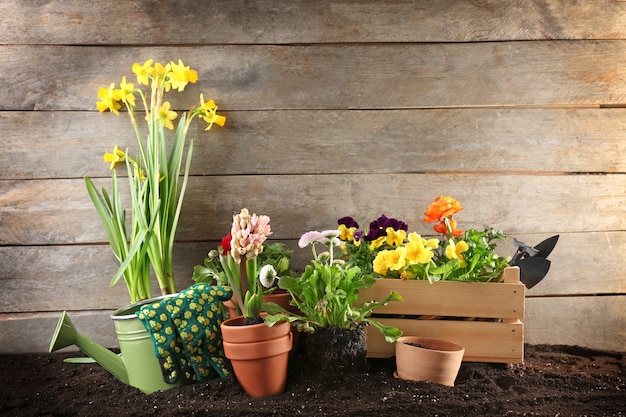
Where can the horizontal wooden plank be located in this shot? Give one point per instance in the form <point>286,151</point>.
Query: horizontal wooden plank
<point>593,322</point>
<point>23,333</point>
<point>354,76</point>
<point>334,141</point>
<point>483,341</point>
<point>582,263</point>
<point>73,278</point>
<point>458,299</point>
<point>72,22</point>
<point>59,211</point>
<point>49,278</point>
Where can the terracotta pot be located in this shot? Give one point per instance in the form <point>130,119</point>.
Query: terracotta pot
<point>426,359</point>
<point>280,298</point>
<point>258,354</point>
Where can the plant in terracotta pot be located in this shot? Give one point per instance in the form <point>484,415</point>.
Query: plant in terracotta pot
<point>156,197</point>
<point>258,353</point>
<point>273,261</point>
<point>326,298</point>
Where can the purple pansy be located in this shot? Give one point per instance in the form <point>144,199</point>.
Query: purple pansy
<point>379,227</point>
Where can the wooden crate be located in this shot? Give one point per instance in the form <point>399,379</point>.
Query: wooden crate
<point>485,318</point>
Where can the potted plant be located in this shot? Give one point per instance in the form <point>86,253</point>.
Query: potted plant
<point>156,194</point>
<point>153,175</point>
<point>273,261</point>
<point>456,275</point>
<point>389,250</point>
<point>258,353</point>
<point>326,297</point>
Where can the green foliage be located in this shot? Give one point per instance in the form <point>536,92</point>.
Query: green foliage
<point>274,254</point>
<point>326,295</point>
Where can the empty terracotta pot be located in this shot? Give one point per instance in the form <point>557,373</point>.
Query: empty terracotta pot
<point>426,359</point>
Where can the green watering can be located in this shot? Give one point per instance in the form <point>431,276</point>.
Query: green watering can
<point>136,365</point>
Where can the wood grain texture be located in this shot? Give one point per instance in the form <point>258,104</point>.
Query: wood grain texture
<point>301,21</point>
<point>346,76</point>
<point>458,299</point>
<point>333,142</point>
<point>46,212</point>
<point>594,322</point>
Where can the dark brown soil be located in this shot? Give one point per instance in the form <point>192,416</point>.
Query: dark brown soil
<point>553,381</point>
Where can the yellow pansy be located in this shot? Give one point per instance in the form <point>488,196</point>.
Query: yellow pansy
<point>386,260</point>
<point>378,242</point>
<point>166,116</point>
<point>416,251</point>
<point>346,233</point>
<point>395,237</point>
<point>454,251</point>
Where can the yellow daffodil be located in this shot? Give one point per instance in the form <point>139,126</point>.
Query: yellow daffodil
<point>109,99</point>
<point>454,251</point>
<point>143,72</point>
<point>141,174</point>
<point>180,75</point>
<point>166,116</point>
<point>126,92</point>
<point>159,160</point>
<point>208,112</point>
<point>159,75</point>
<point>118,156</point>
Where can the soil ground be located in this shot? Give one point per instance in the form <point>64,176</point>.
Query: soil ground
<point>553,381</point>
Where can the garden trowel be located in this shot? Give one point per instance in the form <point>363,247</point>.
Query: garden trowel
<point>532,261</point>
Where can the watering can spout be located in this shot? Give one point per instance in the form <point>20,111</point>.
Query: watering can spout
<point>67,335</point>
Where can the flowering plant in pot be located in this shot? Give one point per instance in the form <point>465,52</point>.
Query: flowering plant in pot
<point>326,299</point>
<point>153,174</point>
<point>258,354</point>
<point>156,194</point>
<point>387,249</point>
<point>273,261</point>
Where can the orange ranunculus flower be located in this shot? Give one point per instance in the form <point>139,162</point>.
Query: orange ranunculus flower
<point>442,228</point>
<point>440,208</point>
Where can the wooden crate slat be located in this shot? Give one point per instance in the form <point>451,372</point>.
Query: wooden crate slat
<point>446,298</point>
<point>483,341</point>
<point>45,212</point>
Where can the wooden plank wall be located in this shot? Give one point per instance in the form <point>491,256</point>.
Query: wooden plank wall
<point>334,108</point>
